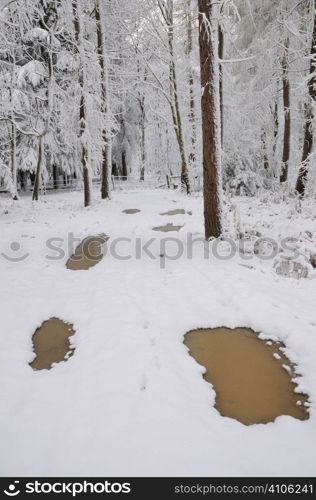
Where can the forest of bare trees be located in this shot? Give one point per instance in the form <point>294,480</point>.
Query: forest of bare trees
<point>220,94</point>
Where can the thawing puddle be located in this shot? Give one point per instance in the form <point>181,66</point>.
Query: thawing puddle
<point>175,212</point>
<point>88,254</point>
<point>51,344</point>
<point>168,228</point>
<point>252,378</point>
<point>131,211</point>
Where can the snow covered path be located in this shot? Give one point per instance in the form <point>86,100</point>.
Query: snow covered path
<point>131,401</point>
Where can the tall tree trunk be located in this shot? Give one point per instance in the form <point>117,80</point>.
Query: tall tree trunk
<point>266,164</point>
<point>106,133</point>
<point>192,117</point>
<point>37,182</point>
<point>143,139</point>
<point>124,166</point>
<point>178,129</point>
<point>221,47</point>
<point>210,120</point>
<point>175,105</point>
<point>48,16</point>
<point>142,123</point>
<point>14,190</point>
<point>77,16</point>
<point>309,116</point>
<point>276,124</point>
<point>14,170</point>
<point>287,118</point>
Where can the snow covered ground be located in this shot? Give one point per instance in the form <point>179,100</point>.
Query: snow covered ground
<point>131,401</point>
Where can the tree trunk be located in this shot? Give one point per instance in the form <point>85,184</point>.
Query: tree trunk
<point>23,180</point>
<point>276,125</point>
<point>115,172</point>
<point>266,164</point>
<point>221,83</point>
<point>55,176</point>
<point>82,112</point>
<point>143,140</point>
<point>192,117</point>
<point>37,181</point>
<point>309,117</point>
<point>14,170</point>
<point>106,133</point>
<point>14,190</point>
<point>210,121</point>
<point>124,166</point>
<point>175,106</point>
<point>179,134</point>
<point>307,149</point>
<point>287,118</point>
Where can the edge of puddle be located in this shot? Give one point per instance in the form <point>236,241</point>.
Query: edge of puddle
<point>274,347</point>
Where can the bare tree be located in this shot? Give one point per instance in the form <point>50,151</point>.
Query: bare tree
<point>309,115</point>
<point>167,10</point>
<point>77,19</point>
<point>287,116</point>
<point>37,182</point>
<point>142,122</point>
<point>106,132</point>
<point>192,117</point>
<point>47,20</point>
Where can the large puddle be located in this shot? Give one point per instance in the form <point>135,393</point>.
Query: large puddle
<point>88,254</point>
<point>252,378</point>
<point>51,344</point>
<point>168,228</point>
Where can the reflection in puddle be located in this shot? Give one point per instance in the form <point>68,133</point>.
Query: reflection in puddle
<point>168,228</point>
<point>88,254</point>
<point>131,211</point>
<point>252,378</point>
<point>175,212</point>
<point>51,344</point>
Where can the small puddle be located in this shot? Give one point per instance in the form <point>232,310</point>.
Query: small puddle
<point>175,212</point>
<point>252,378</point>
<point>51,344</point>
<point>88,254</point>
<point>131,211</point>
<point>168,228</point>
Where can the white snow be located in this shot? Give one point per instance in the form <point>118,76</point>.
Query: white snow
<point>131,401</point>
<point>32,73</point>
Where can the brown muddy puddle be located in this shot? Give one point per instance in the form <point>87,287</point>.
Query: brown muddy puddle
<point>88,254</point>
<point>252,378</point>
<point>131,211</point>
<point>51,344</point>
<point>167,228</point>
